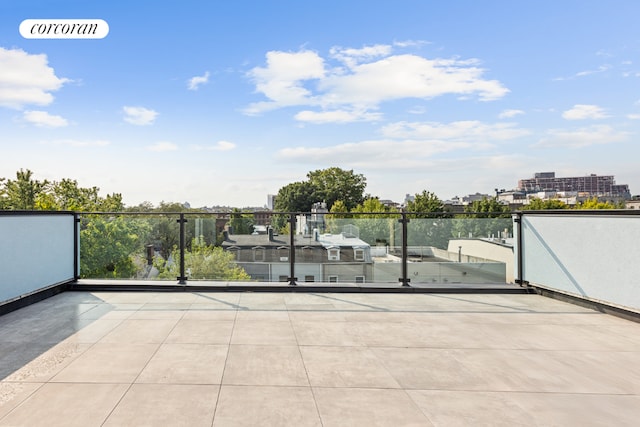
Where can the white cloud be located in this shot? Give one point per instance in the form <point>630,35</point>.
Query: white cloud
<point>139,115</point>
<point>225,146</point>
<point>44,119</point>
<point>26,79</point>
<point>418,109</point>
<point>407,145</point>
<point>219,146</point>
<point>336,116</point>
<point>80,143</point>
<point>583,112</point>
<point>372,76</point>
<point>600,69</point>
<point>583,137</point>
<point>379,154</point>
<point>455,131</point>
<point>507,114</point>
<point>163,146</point>
<point>195,82</point>
<point>350,56</point>
<point>633,116</point>
<point>408,76</point>
<point>281,81</point>
<point>410,43</point>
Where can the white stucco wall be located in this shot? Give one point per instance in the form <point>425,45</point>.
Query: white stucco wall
<point>593,256</point>
<point>36,251</point>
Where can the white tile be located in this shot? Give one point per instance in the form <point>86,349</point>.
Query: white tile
<point>165,405</point>
<point>266,406</point>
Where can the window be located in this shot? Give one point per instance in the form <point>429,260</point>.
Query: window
<point>358,254</point>
<point>307,253</point>
<point>258,254</point>
<point>283,278</point>
<point>236,253</point>
<point>359,279</point>
<point>283,253</point>
<point>333,279</point>
<point>334,254</point>
<point>309,278</point>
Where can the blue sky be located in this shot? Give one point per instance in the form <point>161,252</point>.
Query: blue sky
<point>222,103</point>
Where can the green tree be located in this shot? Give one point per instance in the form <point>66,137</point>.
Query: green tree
<point>335,184</point>
<point>425,202</point>
<point>141,207</point>
<point>339,207</point>
<point>490,205</point>
<point>23,192</point>
<point>241,223</point>
<point>328,185</point>
<point>3,194</point>
<point>203,262</point>
<point>539,204</point>
<point>110,203</point>
<point>375,229</point>
<point>334,220</point>
<point>431,224</point>
<point>296,197</point>
<point>594,203</point>
<point>68,195</point>
<point>110,246</point>
<point>27,193</point>
<point>491,218</point>
<point>165,233</point>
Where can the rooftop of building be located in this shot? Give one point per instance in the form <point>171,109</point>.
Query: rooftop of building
<point>325,240</point>
<point>232,359</point>
<point>396,352</point>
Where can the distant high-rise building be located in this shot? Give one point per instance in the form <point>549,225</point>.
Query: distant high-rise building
<point>271,201</point>
<point>593,185</point>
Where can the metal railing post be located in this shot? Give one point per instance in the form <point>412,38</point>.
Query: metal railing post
<point>404,279</point>
<point>76,246</point>
<point>517,219</point>
<point>182,279</point>
<point>292,250</point>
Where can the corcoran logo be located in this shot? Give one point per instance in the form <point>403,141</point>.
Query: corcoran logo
<point>64,29</point>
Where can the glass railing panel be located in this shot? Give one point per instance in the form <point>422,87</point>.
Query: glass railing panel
<point>362,248</point>
<point>211,253</point>
<point>129,246</point>
<point>353,248</point>
<point>463,249</point>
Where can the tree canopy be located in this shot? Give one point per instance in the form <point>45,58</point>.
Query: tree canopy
<point>329,185</point>
<point>491,219</point>
<point>23,192</point>
<point>27,193</point>
<point>489,205</point>
<point>594,203</point>
<point>425,202</point>
<point>335,184</point>
<point>539,204</point>
<point>296,197</point>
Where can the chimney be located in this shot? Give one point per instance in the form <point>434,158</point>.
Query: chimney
<point>270,232</point>
<point>225,235</point>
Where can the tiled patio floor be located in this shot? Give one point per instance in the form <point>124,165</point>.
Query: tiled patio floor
<point>298,359</point>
